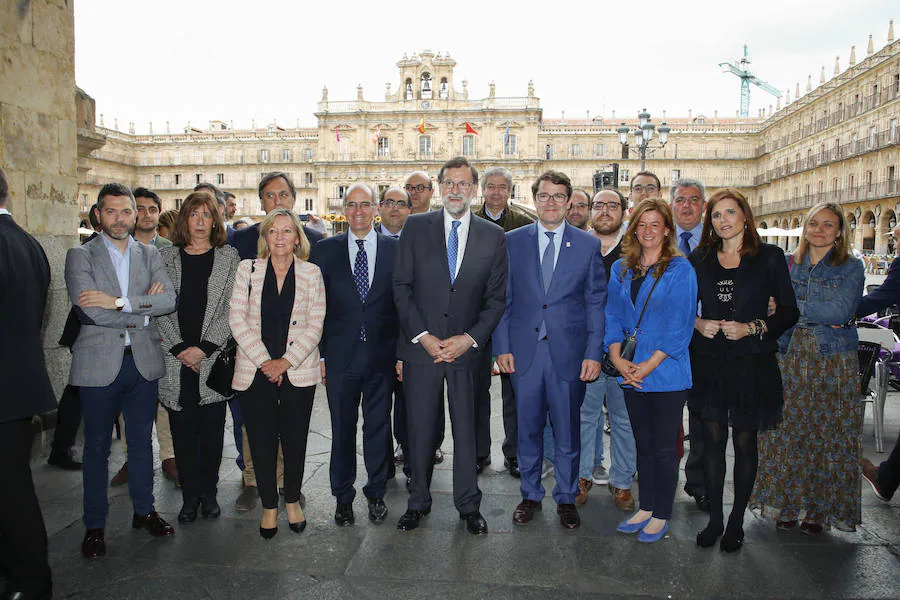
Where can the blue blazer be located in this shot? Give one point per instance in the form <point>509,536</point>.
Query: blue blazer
<point>345,312</point>
<point>246,240</point>
<point>668,323</point>
<point>572,307</point>
<point>887,294</point>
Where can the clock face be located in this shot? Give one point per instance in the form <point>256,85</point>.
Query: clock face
<point>426,104</point>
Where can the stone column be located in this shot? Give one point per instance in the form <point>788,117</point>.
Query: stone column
<point>38,145</point>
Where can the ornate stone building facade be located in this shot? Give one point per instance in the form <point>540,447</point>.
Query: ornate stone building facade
<point>837,142</point>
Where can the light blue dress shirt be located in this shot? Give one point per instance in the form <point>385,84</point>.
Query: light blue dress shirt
<point>370,243</point>
<point>122,266</point>
<point>543,240</point>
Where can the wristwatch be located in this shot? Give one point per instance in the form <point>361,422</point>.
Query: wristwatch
<point>120,303</point>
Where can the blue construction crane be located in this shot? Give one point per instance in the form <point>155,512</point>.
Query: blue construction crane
<point>741,68</point>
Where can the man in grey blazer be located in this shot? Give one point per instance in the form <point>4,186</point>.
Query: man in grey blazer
<point>117,286</point>
<point>450,292</point>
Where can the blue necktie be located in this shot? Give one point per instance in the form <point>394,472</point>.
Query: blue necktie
<point>547,273</point>
<point>685,247</point>
<point>361,278</point>
<point>453,250</point>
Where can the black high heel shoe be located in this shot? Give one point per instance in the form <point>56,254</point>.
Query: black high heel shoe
<point>733,539</point>
<point>297,527</point>
<point>268,534</point>
<point>707,538</point>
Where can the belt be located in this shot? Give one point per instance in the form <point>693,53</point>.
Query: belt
<point>127,350</point>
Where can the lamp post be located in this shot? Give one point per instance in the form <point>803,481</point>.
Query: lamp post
<point>643,135</point>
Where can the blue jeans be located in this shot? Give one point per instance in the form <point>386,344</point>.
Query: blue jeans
<point>623,455</point>
<point>237,420</point>
<point>136,398</point>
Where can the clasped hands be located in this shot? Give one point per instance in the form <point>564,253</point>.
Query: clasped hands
<point>96,298</point>
<point>733,330</point>
<point>275,368</point>
<point>446,350</point>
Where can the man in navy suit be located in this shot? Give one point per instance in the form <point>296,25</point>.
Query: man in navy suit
<point>450,291</point>
<point>550,340</point>
<point>358,350</point>
<point>276,190</point>
<point>24,279</point>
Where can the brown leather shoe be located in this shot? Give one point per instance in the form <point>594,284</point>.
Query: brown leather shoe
<point>584,486</point>
<point>153,523</point>
<point>121,478</point>
<point>93,544</point>
<point>870,474</point>
<point>568,516</point>
<point>624,499</point>
<point>524,512</point>
<point>170,470</point>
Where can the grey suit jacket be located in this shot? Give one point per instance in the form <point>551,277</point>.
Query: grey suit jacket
<point>215,328</point>
<point>98,351</point>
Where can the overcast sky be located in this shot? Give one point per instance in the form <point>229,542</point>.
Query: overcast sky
<point>235,60</point>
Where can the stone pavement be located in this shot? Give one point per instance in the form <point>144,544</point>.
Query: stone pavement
<point>226,558</point>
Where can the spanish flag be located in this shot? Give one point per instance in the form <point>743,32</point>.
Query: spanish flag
<point>421,126</point>
<point>470,129</point>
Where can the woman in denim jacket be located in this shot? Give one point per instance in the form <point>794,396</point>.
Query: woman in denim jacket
<point>809,466</point>
<point>656,380</point>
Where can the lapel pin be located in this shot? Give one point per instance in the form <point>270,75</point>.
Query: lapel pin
<point>568,244</point>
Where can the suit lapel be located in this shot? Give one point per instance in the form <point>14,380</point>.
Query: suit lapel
<point>106,268</point>
<point>380,265</point>
<point>566,248</point>
<point>437,235</point>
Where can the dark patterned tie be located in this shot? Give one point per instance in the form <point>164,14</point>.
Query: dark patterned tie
<point>453,250</point>
<point>685,247</point>
<point>361,278</point>
<point>547,272</point>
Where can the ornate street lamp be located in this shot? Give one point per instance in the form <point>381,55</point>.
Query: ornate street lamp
<point>643,135</point>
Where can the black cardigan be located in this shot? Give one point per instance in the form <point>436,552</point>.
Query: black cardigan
<point>755,280</point>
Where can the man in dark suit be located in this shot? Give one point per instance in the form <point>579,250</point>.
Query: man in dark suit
<point>450,291</point>
<point>550,340</point>
<point>358,348</point>
<point>117,286</point>
<point>24,279</point>
<point>276,190</point>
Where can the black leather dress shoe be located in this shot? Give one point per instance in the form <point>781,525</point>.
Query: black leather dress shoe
<point>438,456</point>
<point>512,465</point>
<point>377,510</point>
<point>64,461</point>
<point>410,519</point>
<point>343,514</point>
<point>153,523</point>
<point>211,508</point>
<point>188,512</point>
<point>93,544</point>
<point>568,516</point>
<point>481,463</point>
<point>702,500</point>
<point>524,512</point>
<point>475,523</point>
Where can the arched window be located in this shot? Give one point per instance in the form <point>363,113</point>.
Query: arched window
<point>408,94</point>
<point>445,88</point>
<point>426,86</point>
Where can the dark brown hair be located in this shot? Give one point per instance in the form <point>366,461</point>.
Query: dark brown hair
<point>554,177</point>
<point>632,249</point>
<point>181,232</point>
<point>710,239</point>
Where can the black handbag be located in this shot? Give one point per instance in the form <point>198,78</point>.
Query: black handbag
<point>222,371</point>
<point>629,344</point>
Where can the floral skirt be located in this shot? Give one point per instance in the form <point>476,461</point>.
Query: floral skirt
<point>809,466</point>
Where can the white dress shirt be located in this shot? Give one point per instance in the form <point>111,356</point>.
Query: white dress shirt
<point>370,243</point>
<point>462,233</point>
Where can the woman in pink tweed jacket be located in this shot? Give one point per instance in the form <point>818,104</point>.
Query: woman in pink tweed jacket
<point>277,310</point>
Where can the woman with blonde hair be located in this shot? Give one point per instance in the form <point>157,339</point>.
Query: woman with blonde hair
<point>277,311</point>
<point>656,378</point>
<point>733,352</point>
<point>809,466</point>
<point>202,269</point>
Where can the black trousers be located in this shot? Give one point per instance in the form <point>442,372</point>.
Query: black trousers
<point>693,466</point>
<point>68,418</point>
<point>510,420</point>
<point>23,538</point>
<point>889,471</point>
<point>271,414</point>
<point>483,404</point>
<point>425,383</point>
<point>345,390</point>
<point>197,436</point>
<point>401,434</point>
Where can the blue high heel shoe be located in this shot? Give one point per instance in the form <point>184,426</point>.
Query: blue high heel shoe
<point>649,538</point>
<point>626,527</point>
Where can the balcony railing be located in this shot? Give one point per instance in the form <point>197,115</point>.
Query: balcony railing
<point>875,191</point>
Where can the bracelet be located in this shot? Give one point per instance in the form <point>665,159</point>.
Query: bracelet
<point>751,328</point>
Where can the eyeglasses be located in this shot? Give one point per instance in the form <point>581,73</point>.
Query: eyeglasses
<point>462,186</point>
<point>416,188</point>
<point>607,206</point>
<point>355,205</point>
<point>640,189</point>
<point>395,203</point>
<point>496,188</point>
<point>559,197</point>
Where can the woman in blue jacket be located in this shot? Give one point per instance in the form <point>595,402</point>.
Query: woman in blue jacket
<point>658,377</point>
<point>809,467</point>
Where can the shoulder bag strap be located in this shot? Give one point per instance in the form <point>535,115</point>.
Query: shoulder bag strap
<point>655,281</point>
